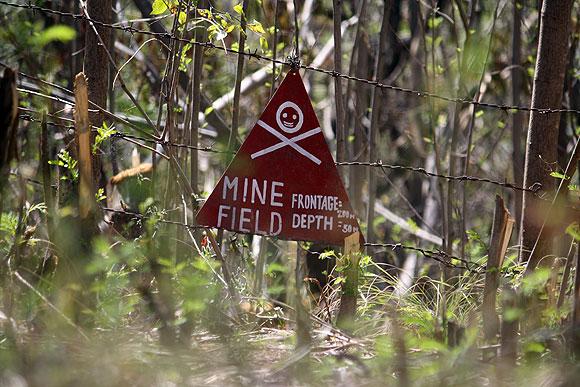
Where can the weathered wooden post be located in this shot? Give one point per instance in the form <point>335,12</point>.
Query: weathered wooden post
<point>303,337</point>
<point>347,311</point>
<point>83,137</point>
<point>500,235</point>
<point>509,329</point>
<point>575,331</point>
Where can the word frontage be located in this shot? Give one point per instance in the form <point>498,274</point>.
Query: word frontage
<point>283,181</point>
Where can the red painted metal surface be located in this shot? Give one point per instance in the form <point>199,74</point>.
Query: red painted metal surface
<point>283,181</point>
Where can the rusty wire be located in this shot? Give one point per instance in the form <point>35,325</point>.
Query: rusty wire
<point>418,93</point>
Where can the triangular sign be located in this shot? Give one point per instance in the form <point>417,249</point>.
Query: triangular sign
<point>283,181</point>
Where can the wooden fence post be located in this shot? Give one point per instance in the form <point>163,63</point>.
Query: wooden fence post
<point>347,311</point>
<point>302,314</point>
<point>509,330</point>
<point>575,331</point>
<point>83,137</point>
<point>500,235</point>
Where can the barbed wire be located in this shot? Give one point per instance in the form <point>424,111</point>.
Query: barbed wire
<point>124,136</point>
<point>436,255</point>
<point>139,216</point>
<point>535,188</point>
<point>418,93</point>
<point>169,143</point>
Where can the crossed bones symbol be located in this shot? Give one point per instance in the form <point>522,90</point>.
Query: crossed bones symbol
<point>289,118</point>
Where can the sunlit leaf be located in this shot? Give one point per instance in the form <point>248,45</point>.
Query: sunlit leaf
<point>57,32</point>
<point>158,7</point>
<point>256,27</point>
<point>239,8</point>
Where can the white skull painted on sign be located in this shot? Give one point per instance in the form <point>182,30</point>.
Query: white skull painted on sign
<point>289,117</point>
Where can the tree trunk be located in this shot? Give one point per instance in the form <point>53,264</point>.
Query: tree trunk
<point>97,70</point>
<point>541,149</point>
<point>338,95</point>
<point>518,116</point>
<point>376,102</point>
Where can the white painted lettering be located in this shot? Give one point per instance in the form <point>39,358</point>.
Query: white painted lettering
<point>278,217</point>
<point>233,218</point>
<point>229,185</point>
<point>274,194</point>
<point>328,223</point>
<point>256,191</point>
<point>221,214</point>
<point>244,219</point>
<point>257,224</point>
<point>246,188</point>
<point>295,220</point>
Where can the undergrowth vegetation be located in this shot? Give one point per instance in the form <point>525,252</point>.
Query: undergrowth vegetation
<point>112,282</point>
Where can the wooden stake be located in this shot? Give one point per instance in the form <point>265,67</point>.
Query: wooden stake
<point>500,235</point>
<point>83,136</point>
<point>46,177</point>
<point>509,331</point>
<point>566,275</point>
<point>233,292</point>
<point>576,314</point>
<point>303,338</point>
<point>347,309</point>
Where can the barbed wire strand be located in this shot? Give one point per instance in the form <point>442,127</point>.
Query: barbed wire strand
<point>126,136</point>
<point>379,164</point>
<point>536,188</point>
<point>418,93</point>
<point>436,255</point>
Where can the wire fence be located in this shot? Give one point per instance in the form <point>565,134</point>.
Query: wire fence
<point>209,45</point>
<point>535,189</point>
<point>436,255</point>
<point>440,256</point>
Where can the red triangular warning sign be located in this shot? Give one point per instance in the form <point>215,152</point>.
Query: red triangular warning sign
<point>283,181</point>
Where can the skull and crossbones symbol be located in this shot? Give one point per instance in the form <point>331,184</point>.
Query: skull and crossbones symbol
<point>289,118</point>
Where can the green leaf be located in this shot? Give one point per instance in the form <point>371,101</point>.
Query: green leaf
<point>205,13</point>
<point>182,17</point>
<point>434,22</point>
<point>239,8</point>
<point>100,195</point>
<point>412,224</point>
<point>59,32</point>
<point>534,346</point>
<point>66,161</point>
<point>512,314</point>
<point>103,133</point>
<point>327,254</point>
<point>256,27</point>
<point>574,230</point>
<point>158,7</point>
<point>559,175</point>
<point>263,44</point>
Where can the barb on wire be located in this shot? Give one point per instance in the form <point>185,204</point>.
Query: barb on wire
<point>294,59</point>
<point>379,164</point>
<point>290,62</point>
<point>123,136</point>
<point>139,216</point>
<point>436,255</point>
<point>169,143</point>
